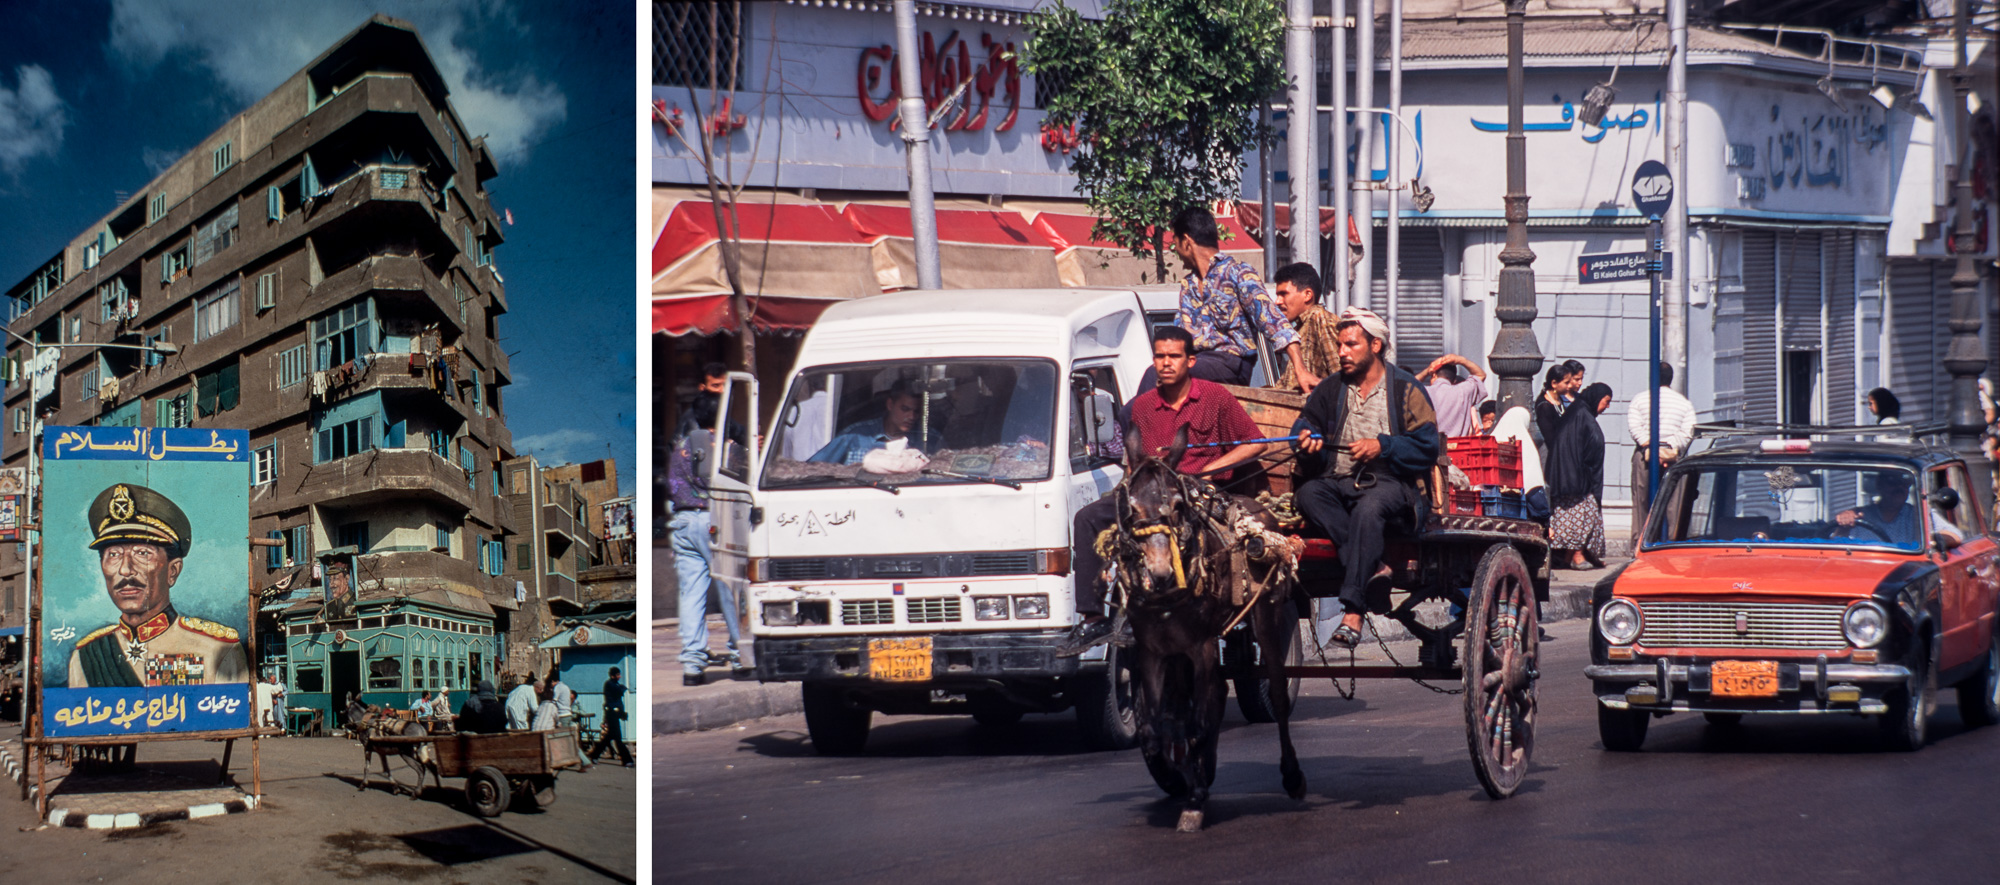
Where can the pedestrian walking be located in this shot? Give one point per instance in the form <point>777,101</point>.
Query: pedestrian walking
<point>563,695</point>
<point>1576,482</point>
<point>614,718</point>
<point>1676,434</point>
<point>483,713</point>
<point>1884,405</point>
<point>1454,393</point>
<point>521,703</point>
<point>694,560</point>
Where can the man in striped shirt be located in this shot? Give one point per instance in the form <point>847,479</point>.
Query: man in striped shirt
<point>1676,432</point>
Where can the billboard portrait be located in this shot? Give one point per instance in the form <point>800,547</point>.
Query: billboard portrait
<point>145,581</point>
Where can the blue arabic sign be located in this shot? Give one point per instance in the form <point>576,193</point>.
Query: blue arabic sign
<point>145,581</point>
<point>1619,267</point>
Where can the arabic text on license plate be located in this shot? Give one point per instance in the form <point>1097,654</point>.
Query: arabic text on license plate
<point>1744,679</point>
<point>900,660</point>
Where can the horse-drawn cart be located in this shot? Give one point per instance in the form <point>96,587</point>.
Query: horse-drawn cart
<point>1487,571</point>
<point>498,768</point>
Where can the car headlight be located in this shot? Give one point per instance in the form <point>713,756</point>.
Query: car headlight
<point>1618,620</point>
<point>781,614</point>
<point>1865,624</point>
<point>1032,606</point>
<point>989,608</point>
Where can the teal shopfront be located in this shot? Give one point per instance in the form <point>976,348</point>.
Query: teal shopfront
<point>390,652</point>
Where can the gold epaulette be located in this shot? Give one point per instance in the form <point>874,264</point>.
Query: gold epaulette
<point>96,634</point>
<point>209,628</point>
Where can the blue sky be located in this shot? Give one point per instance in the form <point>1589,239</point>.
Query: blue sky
<point>131,85</point>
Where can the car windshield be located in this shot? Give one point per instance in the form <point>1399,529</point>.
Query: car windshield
<point>1790,504</point>
<point>891,424</point>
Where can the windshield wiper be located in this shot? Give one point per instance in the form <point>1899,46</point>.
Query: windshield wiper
<point>992,479</point>
<point>827,479</point>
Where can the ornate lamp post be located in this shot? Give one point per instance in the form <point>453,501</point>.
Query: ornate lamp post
<point>1516,356</point>
<point>1965,358</point>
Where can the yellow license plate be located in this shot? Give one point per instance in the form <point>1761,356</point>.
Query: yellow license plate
<point>1743,679</point>
<point>900,660</point>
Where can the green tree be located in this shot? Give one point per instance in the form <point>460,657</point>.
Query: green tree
<point>1164,97</point>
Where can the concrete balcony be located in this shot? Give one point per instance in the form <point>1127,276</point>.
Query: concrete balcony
<point>560,587</point>
<point>406,573</point>
<point>385,475</point>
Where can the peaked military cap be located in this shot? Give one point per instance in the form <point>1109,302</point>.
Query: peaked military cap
<point>129,513</point>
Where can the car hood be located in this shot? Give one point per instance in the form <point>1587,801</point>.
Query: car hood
<point>1839,574</point>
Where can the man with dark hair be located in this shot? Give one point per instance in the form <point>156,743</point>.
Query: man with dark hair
<point>1452,393</point>
<point>1676,432</point>
<point>1210,415</point>
<point>1223,303</point>
<point>613,736</point>
<point>1489,415</point>
<point>1379,429</point>
<point>901,405</point>
<point>1297,287</point>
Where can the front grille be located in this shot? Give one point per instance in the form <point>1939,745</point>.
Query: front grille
<point>1020,562</point>
<point>1713,625</point>
<point>934,610</point>
<point>797,569</point>
<point>867,611</point>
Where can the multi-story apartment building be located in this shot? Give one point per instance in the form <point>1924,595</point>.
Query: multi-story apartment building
<point>549,554</point>
<point>322,266</point>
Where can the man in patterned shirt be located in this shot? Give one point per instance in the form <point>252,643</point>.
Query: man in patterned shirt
<point>1297,286</point>
<point>1223,302</point>
<point>1209,414</point>
<point>1379,427</point>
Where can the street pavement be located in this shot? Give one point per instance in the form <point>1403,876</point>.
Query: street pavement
<point>315,826</point>
<point>1391,797</point>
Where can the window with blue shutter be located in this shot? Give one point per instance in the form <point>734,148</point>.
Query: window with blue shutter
<point>274,204</point>
<point>308,180</point>
<point>274,557</point>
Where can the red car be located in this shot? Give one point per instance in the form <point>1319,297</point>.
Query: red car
<point>1803,577</point>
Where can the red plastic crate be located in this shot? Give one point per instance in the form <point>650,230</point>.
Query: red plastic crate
<point>1464,501</point>
<point>1486,461</point>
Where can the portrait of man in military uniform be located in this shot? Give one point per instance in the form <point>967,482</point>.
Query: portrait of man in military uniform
<point>142,541</point>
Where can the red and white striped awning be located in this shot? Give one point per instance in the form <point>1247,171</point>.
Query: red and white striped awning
<point>797,260</point>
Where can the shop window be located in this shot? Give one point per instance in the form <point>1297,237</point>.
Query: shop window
<point>309,679</point>
<point>385,674</point>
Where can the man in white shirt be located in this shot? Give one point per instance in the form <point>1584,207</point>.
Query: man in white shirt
<point>565,698</point>
<point>521,704</point>
<point>270,702</point>
<point>1676,433</point>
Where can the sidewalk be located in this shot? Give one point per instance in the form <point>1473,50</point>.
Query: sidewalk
<point>724,701</point>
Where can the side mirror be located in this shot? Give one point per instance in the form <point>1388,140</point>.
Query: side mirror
<point>1945,499</point>
<point>1944,542</point>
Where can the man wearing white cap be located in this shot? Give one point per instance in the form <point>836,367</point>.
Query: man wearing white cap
<point>1378,425</point>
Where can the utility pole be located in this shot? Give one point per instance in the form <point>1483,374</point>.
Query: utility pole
<point>1965,358</point>
<point>1336,163</point>
<point>916,136</point>
<point>1363,202</point>
<point>1516,356</point>
<point>1392,142</point>
<point>1674,310</point>
<point>1301,127</point>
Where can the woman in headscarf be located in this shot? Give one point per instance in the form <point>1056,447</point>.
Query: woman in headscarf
<point>1576,481</point>
<point>483,711</point>
<point>1513,427</point>
<point>1549,405</point>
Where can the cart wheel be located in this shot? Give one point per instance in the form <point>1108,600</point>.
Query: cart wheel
<point>487,791</point>
<point>1500,670</point>
<point>545,791</point>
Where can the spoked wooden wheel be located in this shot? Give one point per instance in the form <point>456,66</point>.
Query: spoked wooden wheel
<point>1500,670</point>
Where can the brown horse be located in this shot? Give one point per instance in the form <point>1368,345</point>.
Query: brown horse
<point>380,722</point>
<point>1191,561</point>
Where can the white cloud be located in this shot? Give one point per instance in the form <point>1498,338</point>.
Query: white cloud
<point>251,47</point>
<point>157,160</point>
<point>32,118</point>
<point>567,445</point>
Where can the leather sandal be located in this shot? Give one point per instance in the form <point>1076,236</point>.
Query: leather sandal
<point>1345,636</point>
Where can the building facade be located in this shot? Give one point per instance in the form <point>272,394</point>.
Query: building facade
<point>321,269</point>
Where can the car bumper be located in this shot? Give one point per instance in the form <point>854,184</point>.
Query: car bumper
<point>956,659</point>
<point>1805,687</point>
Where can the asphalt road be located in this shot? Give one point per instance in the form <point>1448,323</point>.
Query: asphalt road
<point>1391,797</point>
<point>315,826</point>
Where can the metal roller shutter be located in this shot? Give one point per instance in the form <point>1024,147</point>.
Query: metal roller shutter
<point>1760,327</point>
<point>1419,332</point>
<point>1915,346</point>
<point>1842,397</point>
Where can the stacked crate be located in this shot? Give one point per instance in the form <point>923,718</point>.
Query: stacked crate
<point>1494,467</point>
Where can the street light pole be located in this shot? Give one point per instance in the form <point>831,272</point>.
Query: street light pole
<point>917,137</point>
<point>1516,357</point>
<point>1965,358</point>
<point>1302,136</point>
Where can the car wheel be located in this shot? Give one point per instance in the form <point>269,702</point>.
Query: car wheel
<point>1623,731</point>
<point>1979,696</point>
<point>1907,723</point>
<point>837,725</point>
<point>1105,699</point>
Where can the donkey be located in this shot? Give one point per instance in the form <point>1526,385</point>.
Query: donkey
<point>1190,561</point>
<point>421,758</point>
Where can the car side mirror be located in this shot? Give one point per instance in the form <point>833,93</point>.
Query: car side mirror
<point>1945,499</point>
<point>1944,542</point>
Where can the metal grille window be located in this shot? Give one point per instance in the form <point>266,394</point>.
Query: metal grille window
<point>221,158</point>
<point>218,310</point>
<point>292,366</point>
<point>684,34</point>
<point>89,384</point>
<point>156,208</point>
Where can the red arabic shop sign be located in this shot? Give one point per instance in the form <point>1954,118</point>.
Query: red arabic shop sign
<point>940,71</point>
